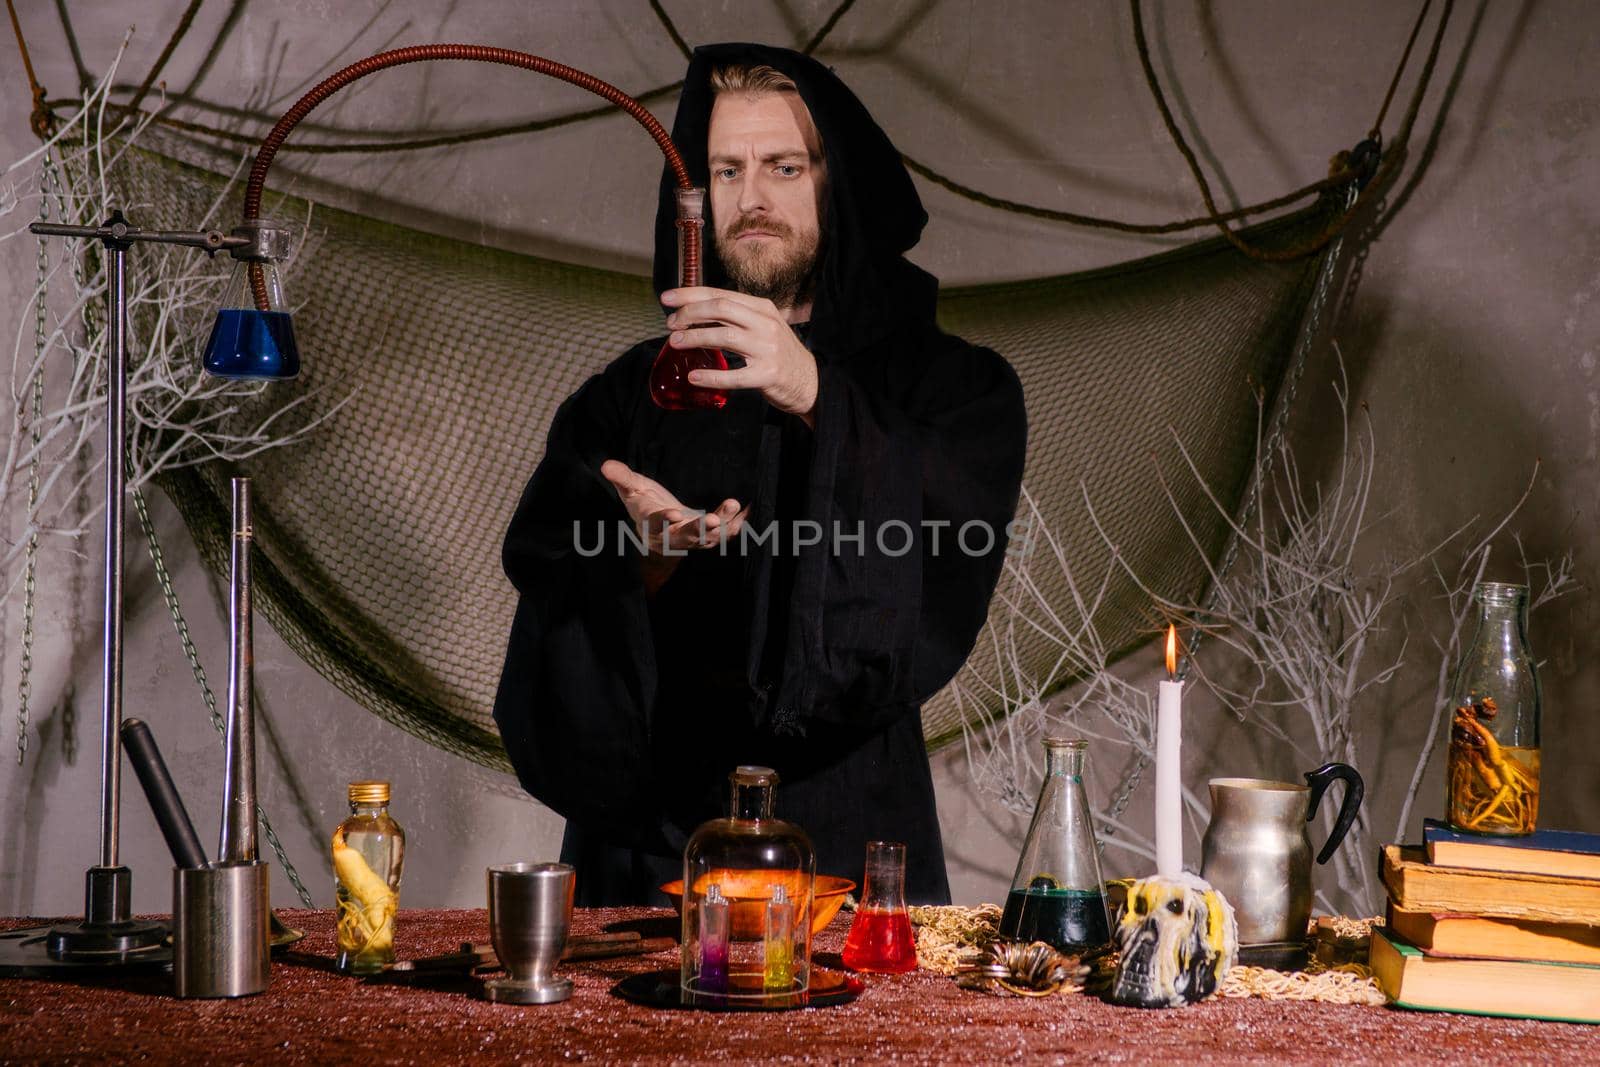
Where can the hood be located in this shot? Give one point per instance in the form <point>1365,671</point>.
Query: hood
<point>865,286</point>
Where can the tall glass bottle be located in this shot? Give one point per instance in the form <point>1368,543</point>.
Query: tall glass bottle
<point>748,882</point>
<point>1056,894</point>
<point>1494,736</point>
<point>669,375</point>
<point>368,851</point>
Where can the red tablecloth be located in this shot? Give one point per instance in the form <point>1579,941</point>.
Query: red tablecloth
<point>313,1015</point>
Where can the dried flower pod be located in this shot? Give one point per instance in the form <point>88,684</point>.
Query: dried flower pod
<point>1028,970</point>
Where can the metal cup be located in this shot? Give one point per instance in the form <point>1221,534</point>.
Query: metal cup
<point>530,912</point>
<point>221,944</point>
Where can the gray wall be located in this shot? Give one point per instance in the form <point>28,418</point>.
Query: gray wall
<point>1473,337</point>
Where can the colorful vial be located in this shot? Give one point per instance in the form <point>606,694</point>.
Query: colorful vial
<point>714,928</point>
<point>778,943</point>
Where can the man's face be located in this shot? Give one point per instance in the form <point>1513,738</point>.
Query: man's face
<point>767,182</point>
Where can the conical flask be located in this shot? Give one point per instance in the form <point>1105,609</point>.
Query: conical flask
<point>1056,895</point>
<point>670,387</point>
<point>247,341</point>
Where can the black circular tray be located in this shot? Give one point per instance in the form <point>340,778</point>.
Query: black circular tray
<point>660,989</point>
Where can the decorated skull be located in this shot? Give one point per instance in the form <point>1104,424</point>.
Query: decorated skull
<point>1177,937</point>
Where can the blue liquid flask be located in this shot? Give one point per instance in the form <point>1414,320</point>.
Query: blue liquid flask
<point>246,341</point>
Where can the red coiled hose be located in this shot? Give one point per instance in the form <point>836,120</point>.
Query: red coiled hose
<point>474,53</point>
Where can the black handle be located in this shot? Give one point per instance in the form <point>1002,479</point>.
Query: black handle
<point>184,843</point>
<point>1354,790</point>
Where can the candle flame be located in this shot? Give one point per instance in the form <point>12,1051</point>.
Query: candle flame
<point>1172,653</point>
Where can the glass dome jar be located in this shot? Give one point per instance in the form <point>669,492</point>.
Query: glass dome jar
<point>747,896</point>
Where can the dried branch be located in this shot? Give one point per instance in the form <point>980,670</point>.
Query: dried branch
<point>177,415</point>
<point>1297,629</point>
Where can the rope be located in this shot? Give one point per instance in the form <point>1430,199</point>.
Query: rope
<point>1427,75</point>
<point>166,53</point>
<point>672,31</point>
<point>827,27</point>
<point>41,121</point>
<point>1340,172</point>
<point>1182,144</point>
<point>466,136</point>
<point>1341,175</point>
<point>1385,169</point>
<point>440,141</point>
<point>810,46</point>
<point>1394,82</point>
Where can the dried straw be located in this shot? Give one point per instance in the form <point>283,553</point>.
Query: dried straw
<point>944,934</point>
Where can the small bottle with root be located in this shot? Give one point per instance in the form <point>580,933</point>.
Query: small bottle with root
<point>1494,734</point>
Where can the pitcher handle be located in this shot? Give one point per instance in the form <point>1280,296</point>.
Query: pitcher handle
<point>1354,790</point>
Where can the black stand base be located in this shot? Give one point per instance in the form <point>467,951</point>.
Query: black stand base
<point>27,953</point>
<point>88,942</point>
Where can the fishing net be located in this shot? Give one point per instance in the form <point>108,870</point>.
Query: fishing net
<point>435,365</point>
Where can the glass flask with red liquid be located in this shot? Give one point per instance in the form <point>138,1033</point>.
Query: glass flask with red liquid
<point>881,940</point>
<point>669,375</point>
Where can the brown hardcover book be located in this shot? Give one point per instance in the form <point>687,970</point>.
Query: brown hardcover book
<point>1569,992</point>
<point>1445,934</point>
<point>1415,885</point>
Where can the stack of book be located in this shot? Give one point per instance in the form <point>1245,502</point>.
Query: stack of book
<point>1493,925</point>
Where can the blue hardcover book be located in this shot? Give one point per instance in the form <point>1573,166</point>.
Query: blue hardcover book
<point>1564,853</point>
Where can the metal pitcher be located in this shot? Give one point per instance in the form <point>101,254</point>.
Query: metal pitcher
<point>1257,852</point>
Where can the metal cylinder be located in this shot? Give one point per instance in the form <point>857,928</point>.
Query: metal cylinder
<point>111,650</point>
<point>238,836</point>
<point>221,945</point>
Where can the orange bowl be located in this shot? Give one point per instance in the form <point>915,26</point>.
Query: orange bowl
<point>748,892</point>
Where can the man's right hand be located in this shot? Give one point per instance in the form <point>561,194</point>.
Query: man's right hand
<point>668,528</point>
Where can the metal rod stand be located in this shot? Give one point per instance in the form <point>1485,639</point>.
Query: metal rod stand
<point>108,934</point>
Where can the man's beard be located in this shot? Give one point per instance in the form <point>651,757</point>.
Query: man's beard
<point>782,271</point>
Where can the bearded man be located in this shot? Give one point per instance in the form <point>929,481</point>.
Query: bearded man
<point>876,459</point>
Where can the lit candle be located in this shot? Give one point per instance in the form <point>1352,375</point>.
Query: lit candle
<point>1169,781</point>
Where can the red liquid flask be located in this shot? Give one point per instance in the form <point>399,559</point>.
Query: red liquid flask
<point>669,379</point>
<point>669,374</point>
<point>881,939</point>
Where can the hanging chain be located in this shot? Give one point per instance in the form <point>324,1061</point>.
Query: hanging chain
<point>170,594</point>
<point>1119,802</point>
<point>35,437</point>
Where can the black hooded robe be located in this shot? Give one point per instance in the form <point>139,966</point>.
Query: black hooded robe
<point>626,713</point>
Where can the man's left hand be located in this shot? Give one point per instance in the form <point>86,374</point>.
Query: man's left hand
<point>776,362</point>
